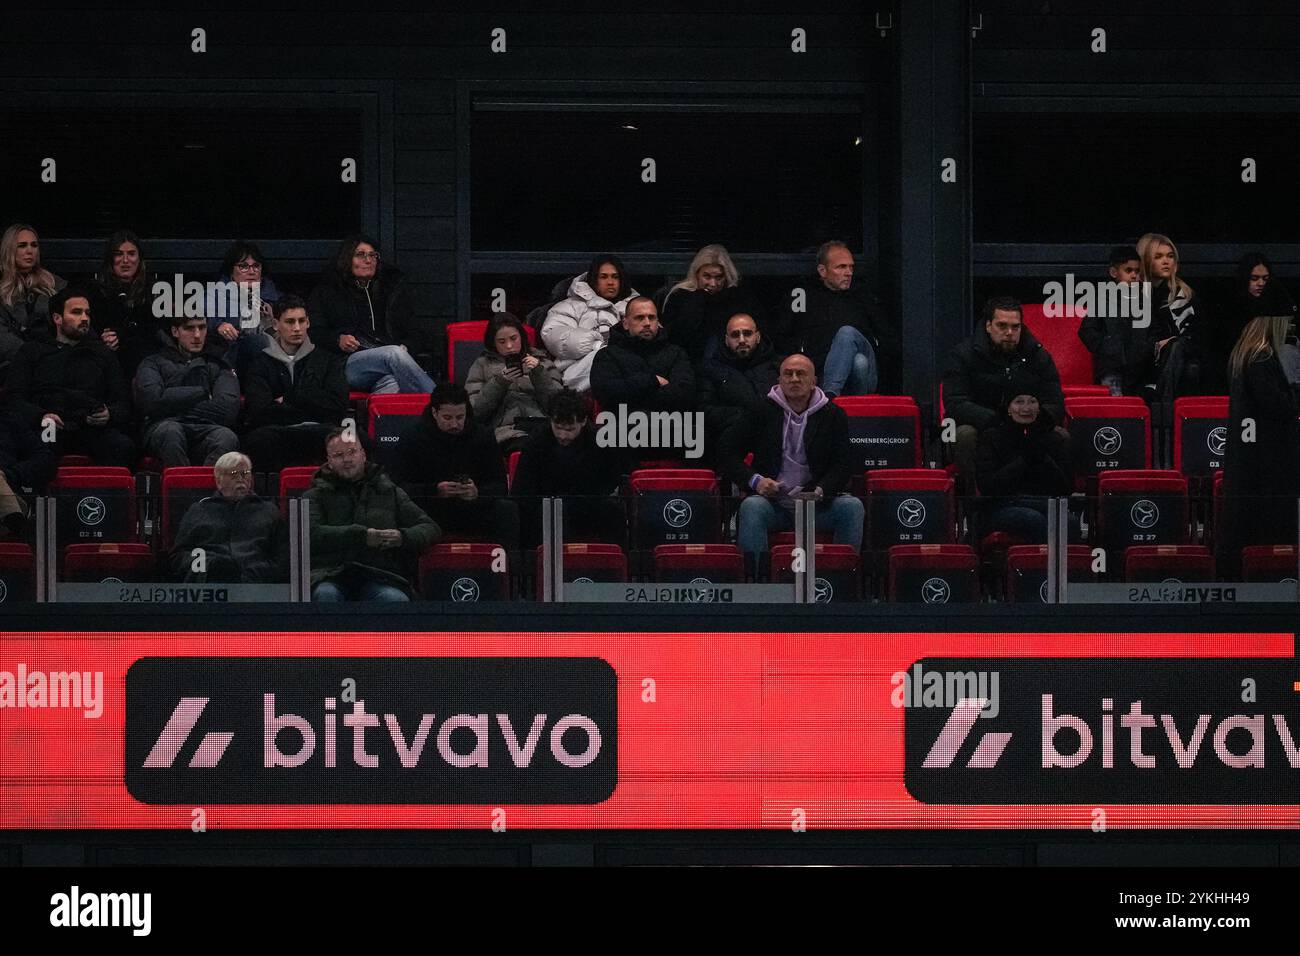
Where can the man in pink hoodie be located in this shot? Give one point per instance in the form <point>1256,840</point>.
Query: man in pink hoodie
<point>801,448</point>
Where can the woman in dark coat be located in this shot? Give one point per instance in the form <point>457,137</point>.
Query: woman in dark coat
<point>1021,462</point>
<point>1261,473</point>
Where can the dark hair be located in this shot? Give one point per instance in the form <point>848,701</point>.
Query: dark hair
<point>180,318</point>
<point>60,298</point>
<point>448,393</point>
<point>235,252</point>
<point>289,301</point>
<point>638,298</point>
<point>339,432</point>
<point>499,321</point>
<point>342,265</point>
<point>1246,265</point>
<point>567,407</point>
<point>136,290</point>
<point>1001,303</point>
<point>1122,254</point>
<point>617,263</point>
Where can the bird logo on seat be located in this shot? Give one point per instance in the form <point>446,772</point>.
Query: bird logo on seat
<point>936,591</point>
<point>464,589</point>
<point>1144,513</point>
<point>90,511</point>
<point>1107,440</point>
<point>911,513</point>
<point>677,513</point>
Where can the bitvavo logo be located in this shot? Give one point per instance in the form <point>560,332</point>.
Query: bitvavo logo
<point>1111,731</point>
<point>371,730</point>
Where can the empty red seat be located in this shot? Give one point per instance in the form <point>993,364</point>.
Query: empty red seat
<point>181,488</point>
<point>909,506</point>
<point>698,564</point>
<point>1060,336</point>
<point>674,506</point>
<point>1106,434</point>
<point>836,569</point>
<point>884,431</point>
<point>589,562</point>
<point>1026,575</point>
<point>108,563</point>
<point>1140,507</point>
<point>933,573</point>
<point>1268,563</point>
<point>293,482</point>
<point>95,504</point>
<point>1168,563</point>
<point>1200,435</point>
<point>1085,391</point>
<point>464,572</point>
<point>17,573</point>
<point>465,344</point>
<point>389,417</point>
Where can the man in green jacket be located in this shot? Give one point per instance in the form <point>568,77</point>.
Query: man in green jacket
<point>365,531</point>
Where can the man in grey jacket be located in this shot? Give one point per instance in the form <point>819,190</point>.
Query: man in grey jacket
<point>233,537</point>
<point>189,400</point>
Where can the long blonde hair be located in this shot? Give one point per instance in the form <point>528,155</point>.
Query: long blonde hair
<point>710,255</point>
<point>1262,336</point>
<point>15,285</point>
<point>1146,247</point>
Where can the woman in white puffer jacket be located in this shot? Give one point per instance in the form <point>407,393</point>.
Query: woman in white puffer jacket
<point>578,327</point>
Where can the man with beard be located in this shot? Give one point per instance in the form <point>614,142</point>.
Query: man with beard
<point>640,367</point>
<point>997,363</point>
<point>737,377</point>
<point>74,383</point>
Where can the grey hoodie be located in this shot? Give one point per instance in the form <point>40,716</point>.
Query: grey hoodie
<point>275,351</point>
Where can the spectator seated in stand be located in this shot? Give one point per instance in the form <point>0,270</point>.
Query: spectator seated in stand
<point>241,537</point>
<point>577,327</point>
<point>1123,351</point>
<point>25,291</point>
<point>366,532</point>
<point>737,378</point>
<point>296,393</point>
<point>248,334</point>
<point>121,303</point>
<point>26,464</point>
<point>510,383</point>
<point>641,368</point>
<point>695,310</point>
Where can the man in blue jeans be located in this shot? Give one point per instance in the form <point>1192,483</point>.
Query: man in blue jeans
<point>839,326</point>
<point>800,443</point>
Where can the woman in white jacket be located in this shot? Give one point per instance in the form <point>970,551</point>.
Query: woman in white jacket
<point>578,327</point>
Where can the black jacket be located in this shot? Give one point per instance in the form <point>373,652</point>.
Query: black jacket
<point>694,317</point>
<point>70,380</point>
<point>826,443</point>
<point>25,460</point>
<point>1014,460</point>
<point>316,391</point>
<point>427,455</point>
<point>548,469</point>
<point>381,314</point>
<point>200,389</point>
<point>244,540</point>
<point>1118,348</point>
<point>826,312</point>
<point>980,380</point>
<point>134,322</point>
<point>624,371</point>
<point>729,380</point>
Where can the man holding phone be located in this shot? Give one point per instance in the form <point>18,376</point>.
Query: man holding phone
<point>74,385</point>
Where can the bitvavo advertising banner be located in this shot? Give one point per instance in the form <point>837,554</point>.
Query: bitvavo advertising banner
<point>633,730</point>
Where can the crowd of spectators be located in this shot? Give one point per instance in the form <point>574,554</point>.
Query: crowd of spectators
<point>91,368</point>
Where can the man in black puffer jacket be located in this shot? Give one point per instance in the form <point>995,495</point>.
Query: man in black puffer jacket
<point>997,363</point>
<point>738,376</point>
<point>296,393</point>
<point>840,328</point>
<point>640,368</point>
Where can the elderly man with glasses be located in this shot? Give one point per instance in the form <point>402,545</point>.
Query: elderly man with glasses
<point>233,537</point>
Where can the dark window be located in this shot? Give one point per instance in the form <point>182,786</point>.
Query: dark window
<point>182,173</point>
<point>1107,177</point>
<point>755,182</point>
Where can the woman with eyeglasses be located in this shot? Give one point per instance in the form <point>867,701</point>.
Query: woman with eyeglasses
<point>25,290</point>
<point>362,310</point>
<point>245,335</point>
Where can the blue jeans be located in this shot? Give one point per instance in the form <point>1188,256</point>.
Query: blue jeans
<point>850,367</point>
<point>336,590</point>
<point>385,370</point>
<point>841,515</point>
<point>1026,518</point>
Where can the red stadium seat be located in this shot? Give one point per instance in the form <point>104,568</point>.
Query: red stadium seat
<point>933,573</point>
<point>699,564</point>
<point>182,487</point>
<point>360,403</point>
<point>884,430</point>
<point>1026,575</point>
<point>95,505</point>
<point>674,506</point>
<point>465,344</point>
<point>108,563</point>
<point>786,538</point>
<point>17,573</point>
<point>1060,336</point>
<point>389,417</point>
<point>1200,437</point>
<point>76,461</point>
<point>1171,563</point>
<point>1107,433</point>
<point>293,482</point>
<point>1085,391</point>
<point>512,465</point>
<point>592,563</point>
<point>909,506</point>
<point>464,572</point>
<point>837,568</point>
<point>1268,563</point>
<point>1140,507</point>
